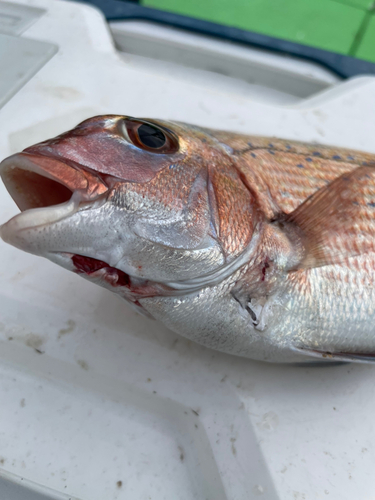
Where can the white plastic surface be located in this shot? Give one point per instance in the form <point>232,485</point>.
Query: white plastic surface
<point>97,402</point>
<point>267,76</point>
<point>21,59</point>
<point>18,488</point>
<point>15,18</point>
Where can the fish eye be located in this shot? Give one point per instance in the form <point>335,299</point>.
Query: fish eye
<point>151,137</point>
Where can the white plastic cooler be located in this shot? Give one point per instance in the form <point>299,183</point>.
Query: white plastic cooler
<point>98,403</point>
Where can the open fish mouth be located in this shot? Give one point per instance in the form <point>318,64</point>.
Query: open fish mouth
<point>32,186</point>
<point>45,189</point>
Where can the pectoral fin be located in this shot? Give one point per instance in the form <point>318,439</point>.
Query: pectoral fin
<point>338,221</point>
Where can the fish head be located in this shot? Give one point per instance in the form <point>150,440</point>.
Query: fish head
<point>142,207</point>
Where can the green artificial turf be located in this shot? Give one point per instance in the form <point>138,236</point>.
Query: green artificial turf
<point>343,26</point>
<point>366,47</point>
<point>362,4</point>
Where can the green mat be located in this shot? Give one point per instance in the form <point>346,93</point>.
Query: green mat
<point>343,26</point>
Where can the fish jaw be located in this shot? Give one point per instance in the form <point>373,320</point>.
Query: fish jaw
<point>50,191</point>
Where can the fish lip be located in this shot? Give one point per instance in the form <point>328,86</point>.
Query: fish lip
<point>37,217</point>
<point>84,187</point>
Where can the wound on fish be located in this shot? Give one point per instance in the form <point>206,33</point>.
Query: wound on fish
<point>88,265</point>
<point>264,268</point>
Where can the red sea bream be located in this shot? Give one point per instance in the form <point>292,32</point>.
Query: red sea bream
<point>254,246</point>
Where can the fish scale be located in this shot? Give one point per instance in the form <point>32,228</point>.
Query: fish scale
<point>330,294</point>
<point>283,174</point>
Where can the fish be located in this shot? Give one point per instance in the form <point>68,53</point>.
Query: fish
<point>258,247</point>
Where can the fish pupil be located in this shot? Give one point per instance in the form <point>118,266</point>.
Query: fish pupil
<point>151,136</point>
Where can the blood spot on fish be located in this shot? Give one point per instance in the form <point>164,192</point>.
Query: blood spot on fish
<point>88,265</point>
<point>264,269</point>
<point>123,278</point>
